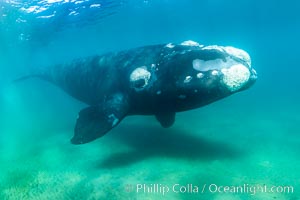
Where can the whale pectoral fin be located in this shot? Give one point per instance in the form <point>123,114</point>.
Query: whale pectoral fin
<point>94,121</point>
<point>166,119</point>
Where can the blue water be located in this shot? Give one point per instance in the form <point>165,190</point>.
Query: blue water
<point>249,138</point>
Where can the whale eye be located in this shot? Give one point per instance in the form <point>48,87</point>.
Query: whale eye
<point>139,83</point>
<point>139,78</point>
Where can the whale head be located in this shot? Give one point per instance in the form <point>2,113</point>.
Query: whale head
<point>204,74</point>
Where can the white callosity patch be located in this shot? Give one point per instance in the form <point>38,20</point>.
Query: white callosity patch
<point>140,78</point>
<point>190,43</point>
<point>170,45</point>
<point>239,53</point>
<point>197,64</point>
<point>200,75</point>
<point>217,64</point>
<point>213,47</point>
<point>114,120</point>
<point>214,72</point>
<point>235,77</point>
<point>187,79</point>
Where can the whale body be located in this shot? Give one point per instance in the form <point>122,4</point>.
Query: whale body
<point>155,80</point>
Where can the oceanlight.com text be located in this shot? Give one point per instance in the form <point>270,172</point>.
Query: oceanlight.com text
<point>163,189</point>
<point>249,189</point>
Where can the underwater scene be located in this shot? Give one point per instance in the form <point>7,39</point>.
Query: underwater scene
<point>149,100</point>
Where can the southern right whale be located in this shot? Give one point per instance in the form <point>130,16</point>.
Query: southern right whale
<point>155,80</point>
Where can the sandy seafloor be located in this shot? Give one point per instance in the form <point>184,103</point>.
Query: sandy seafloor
<point>251,138</point>
<point>228,143</point>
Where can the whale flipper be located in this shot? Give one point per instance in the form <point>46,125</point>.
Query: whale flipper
<point>166,119</point>
<point>94,121</point>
